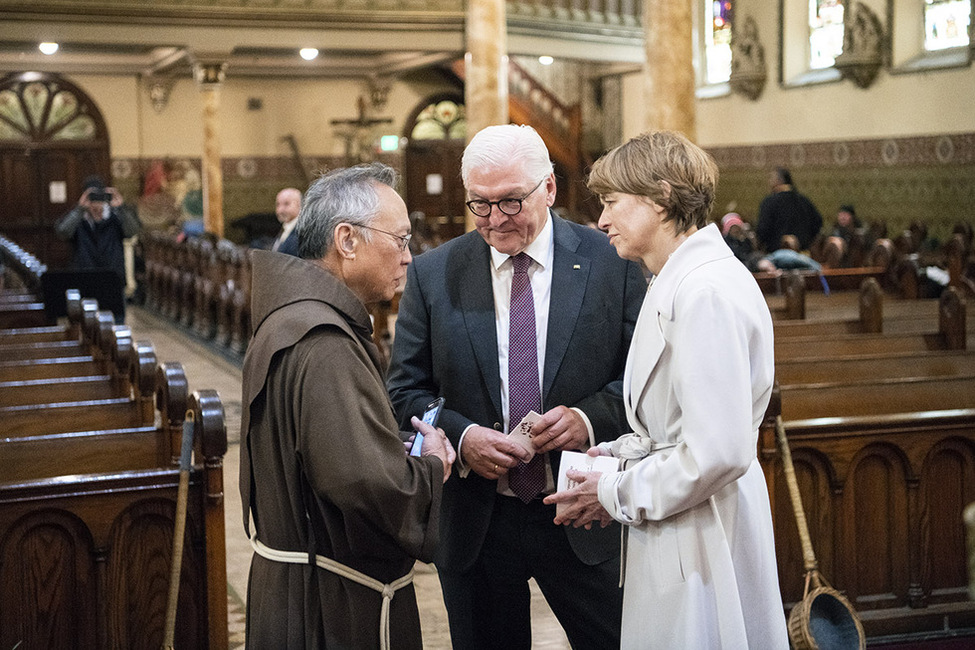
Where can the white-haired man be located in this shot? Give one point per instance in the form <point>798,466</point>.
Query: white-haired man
<point>528,313</point>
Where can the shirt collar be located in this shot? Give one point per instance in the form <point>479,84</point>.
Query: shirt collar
<point>540,249</point>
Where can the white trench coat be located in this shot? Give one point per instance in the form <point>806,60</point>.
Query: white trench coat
<point>699,554</point>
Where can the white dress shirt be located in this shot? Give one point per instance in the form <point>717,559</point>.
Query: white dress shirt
<point>285,231</point>
<point>542,252</point>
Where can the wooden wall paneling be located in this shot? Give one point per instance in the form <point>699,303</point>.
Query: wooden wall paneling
<point>946,486</point>
<point>47,567</point>
<point>814,474</point>
<point>875,522</point>
<point>138,578</point>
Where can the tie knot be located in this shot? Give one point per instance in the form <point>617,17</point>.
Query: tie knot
<point>521,262</point>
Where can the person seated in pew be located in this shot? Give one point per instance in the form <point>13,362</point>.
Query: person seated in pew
<point>847,222</point>
<point>340,511</point>
<point>287,206</point>
<point>743,244</point>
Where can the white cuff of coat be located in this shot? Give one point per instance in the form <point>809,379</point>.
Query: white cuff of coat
<point>609,496</point>
<point>585,418</point>
<point>462,469</point>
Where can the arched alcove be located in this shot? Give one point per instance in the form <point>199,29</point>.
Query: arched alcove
<point>436,138</point>
<point>52,136</point>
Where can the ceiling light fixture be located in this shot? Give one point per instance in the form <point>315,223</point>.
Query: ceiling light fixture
<point>48,48</point>
<point>308,53</point>
<point>546,60</point>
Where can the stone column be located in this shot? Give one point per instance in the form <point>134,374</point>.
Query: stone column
<point>669,70</point>
<point>486,69</point>
<point>209,75</point>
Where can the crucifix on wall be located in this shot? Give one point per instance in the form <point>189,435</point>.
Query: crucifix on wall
<point>358,134</point>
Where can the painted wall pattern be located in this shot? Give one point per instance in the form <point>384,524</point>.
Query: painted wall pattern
<point>895,180</point>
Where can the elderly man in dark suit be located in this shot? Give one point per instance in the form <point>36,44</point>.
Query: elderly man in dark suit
<point>287,206</point>
<point>529,313</point>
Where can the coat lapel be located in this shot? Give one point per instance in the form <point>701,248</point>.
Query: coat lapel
<point>648,341</point>
<point>477,306</point>
<point>570,275</point>
<point>645,349</point>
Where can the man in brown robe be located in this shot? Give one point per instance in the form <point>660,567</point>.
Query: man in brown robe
<point>324,473</point>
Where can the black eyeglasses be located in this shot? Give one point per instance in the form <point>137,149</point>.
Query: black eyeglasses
<point>403,239</point>
<point>510,207</point>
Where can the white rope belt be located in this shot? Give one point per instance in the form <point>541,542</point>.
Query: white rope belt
<point>387,590</point>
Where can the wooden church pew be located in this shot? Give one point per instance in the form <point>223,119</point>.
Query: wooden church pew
<point>883,495</point>
<point>84,557</point>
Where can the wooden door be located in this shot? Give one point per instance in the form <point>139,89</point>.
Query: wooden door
<point>433,185</point>
<point>52,136</point>
<point>432,165</point>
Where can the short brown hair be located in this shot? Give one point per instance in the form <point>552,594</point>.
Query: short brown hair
<point>639,165</point>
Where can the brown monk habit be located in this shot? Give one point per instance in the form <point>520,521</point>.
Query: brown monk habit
<point>318,436</point>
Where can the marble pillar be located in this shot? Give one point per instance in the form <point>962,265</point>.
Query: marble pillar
<point>486,69</point>
<point>209,76</point>
<point>669,69</point>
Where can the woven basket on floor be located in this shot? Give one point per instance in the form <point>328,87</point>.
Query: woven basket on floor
<point>823,619</point>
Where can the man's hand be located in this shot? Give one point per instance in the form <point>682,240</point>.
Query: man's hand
<point>435,443</point>
<point>490,453</point>
<point>560,428</point>
<point>116,197</point>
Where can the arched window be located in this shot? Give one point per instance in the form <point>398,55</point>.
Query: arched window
<point>825,32</point>
<point>44,110</point>
<point>946,23</point>
<point>443,120</point>
<point>717,40</point>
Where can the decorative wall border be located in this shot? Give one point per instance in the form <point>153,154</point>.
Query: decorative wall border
<point>945,149</point>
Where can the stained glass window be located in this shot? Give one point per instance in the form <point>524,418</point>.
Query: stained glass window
<point>440,121</point>
<point>825,32</point>
<point>717,45</point>
<point>946,23</point>
<point>41,110</point>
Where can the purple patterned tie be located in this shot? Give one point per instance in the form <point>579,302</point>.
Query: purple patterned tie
<point>527,479</point>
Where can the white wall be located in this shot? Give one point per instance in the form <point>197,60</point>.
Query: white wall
<point>897,104</point>
<point>299,107</point>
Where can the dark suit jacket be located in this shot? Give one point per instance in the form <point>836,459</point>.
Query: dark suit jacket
<point>290,245</point>
<point>446,344</point>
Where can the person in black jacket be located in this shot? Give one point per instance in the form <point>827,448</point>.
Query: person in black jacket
<point>786,212</point>
<point>96,228</point>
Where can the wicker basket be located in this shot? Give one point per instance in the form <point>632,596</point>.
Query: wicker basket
<point>823,619</point>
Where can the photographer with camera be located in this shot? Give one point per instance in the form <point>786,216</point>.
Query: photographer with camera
<point>96,228</point>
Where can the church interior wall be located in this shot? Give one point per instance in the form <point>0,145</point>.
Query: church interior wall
<point>900,150</point>
<point>255,117</point>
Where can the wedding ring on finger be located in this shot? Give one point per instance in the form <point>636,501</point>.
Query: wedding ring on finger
<point>495,468</point>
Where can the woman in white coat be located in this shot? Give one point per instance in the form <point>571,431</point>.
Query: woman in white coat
<point>699,560</point>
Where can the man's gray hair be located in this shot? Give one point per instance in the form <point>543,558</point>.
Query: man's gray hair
<point>346,195</point>
<point>499,146</point>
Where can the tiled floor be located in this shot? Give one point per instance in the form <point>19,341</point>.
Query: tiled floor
<point>207,368</point>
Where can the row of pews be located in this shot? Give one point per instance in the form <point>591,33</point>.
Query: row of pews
<point>90,432</point>
<point>877,395</point>
<point>203,285</point>
<point>901,264</point>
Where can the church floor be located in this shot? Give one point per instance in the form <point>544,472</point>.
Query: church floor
<point>206,368</point>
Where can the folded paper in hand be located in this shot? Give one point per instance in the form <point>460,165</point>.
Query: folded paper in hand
<point>522,434</point>
<point>582,462</point>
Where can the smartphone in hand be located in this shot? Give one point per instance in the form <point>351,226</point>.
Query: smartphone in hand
<point>430,416</point>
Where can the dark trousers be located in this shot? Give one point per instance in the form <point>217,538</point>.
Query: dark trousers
<point>489,605</point>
